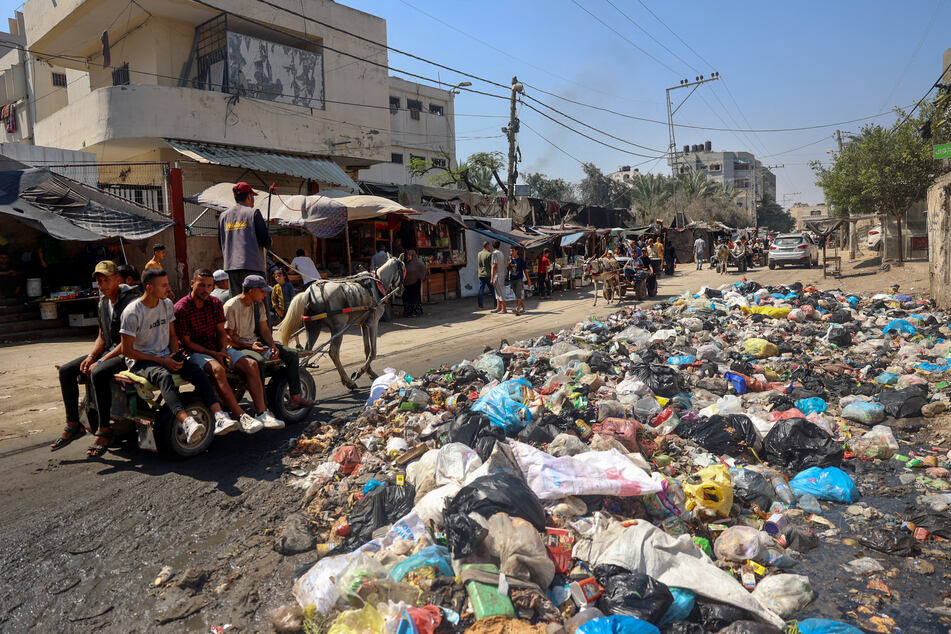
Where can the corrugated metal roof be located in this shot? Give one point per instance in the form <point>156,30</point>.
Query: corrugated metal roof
<point>316,169</point>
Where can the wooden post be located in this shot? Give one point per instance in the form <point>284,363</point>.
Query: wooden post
<point>177,199</point>
<point>346,235</point>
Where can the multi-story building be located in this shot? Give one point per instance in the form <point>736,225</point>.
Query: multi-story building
<point>801,212</point>
<point>740,170</point>
<point>422,126</point>
<point>624,174</point>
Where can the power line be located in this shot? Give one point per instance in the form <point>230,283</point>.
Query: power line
<point>620,35</point>
<point>816,142</point>
<point>590,127</point>
<point>921,101</point>
<point>563,151</point>
<point>631,20</point>
<point>656,17</point>
<point>921,41</point>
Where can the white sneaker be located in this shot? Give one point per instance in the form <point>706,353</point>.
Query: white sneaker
<point>193,429</point>
<point>249,424</point>
<point>224,424</point>
<point>270,421</point>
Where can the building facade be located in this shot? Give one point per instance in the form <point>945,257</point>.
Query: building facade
<point>624,174</point>
<point>801,212</point>
<point>422,126</point>
<point>740,170</point>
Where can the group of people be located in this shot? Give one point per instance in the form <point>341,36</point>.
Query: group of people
<point>497,274</point>
<point>199,337</point>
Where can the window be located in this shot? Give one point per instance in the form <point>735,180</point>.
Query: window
<point>413,157</point>
<point>396,157</point>
<point>415,107</point>
<point>436,110</point>
<point>120,76</point>
<point>59,79</point>
<point>394,105</point>
<point>815,212</point>
<point>439,162</point>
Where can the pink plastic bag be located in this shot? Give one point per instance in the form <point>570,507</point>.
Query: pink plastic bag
<point>624,430</point>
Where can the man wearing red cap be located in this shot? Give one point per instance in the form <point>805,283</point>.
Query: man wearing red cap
<point>243,236</point>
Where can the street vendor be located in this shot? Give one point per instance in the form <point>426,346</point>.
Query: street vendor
<point>103,361</point>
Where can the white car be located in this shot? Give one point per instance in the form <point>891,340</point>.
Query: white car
<point>793,248</point>
<point>874,239</point>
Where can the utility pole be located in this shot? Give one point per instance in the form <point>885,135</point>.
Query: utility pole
<point>671,111</point>
<point>754,182</point>
<point>511,131</point>
<point>838,140</point>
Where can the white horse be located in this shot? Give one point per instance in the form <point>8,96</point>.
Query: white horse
<point>340,304</point>
<point>606,270</point>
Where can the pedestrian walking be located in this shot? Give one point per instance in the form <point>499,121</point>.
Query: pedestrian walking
<point>544,274</point>
<point>485,271</point>
<point>498,277</point>
<point>670,257</point>
<point>517,268</point>
<point>699,249</point>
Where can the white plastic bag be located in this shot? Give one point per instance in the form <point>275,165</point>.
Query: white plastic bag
<point>591,473</point>
<point>454,462</point>
<point>785,594</point>
<point>430,507</point>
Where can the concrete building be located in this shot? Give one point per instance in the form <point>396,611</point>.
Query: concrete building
<point>624,174</point>
<point>422,125</point>
<point>802,212</point>
<point>740,170</point>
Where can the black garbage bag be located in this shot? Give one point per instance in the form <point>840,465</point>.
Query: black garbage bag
<point>716,616</point>
<point>465,374</point>
<point>488,495</point>
<point>683,627</point>
<point>839,335</point>
<point>883,540</point>
<point>750,627</point>
<point>732,434</point>
<point>935,522</point>
<point>780,403</point>
<point>599,362</point>
<point>904,403</point>
<point>840,316</point>
<point>797,444</point>
<point>752,487</point>
<point>743,367</point>
<point>475,430</point>
<point>542,432</point>
<point>799,538</point>
<point>632,594</point>
<point>662,380</point>
<point>380,507</point>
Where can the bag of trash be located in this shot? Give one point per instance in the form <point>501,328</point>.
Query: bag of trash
<point>839,335</point>
<point>732,434</point>
<point>475,430</point>
<point>935,522</point>
<point>893,542</point>
<point>760,348</point>
<point>752,487</point>
<point>878,442</point>
<point>624,430</point>
<point>492,365</point>
<point>864,412</point>
<point>520,550</point>
<point>379,385</point>
<point>899,326</point>
<point>716,616</point>
<point>617,624</point>
<point>681,607</point>
<point>825,626</point>
<point>380,507</point>
<point>464,374</point>
<point>809,405</point>
<point>662,380</point>
<point>488,495</point>
<point>454,464</point>
<point>646,408</point>
<point>436,557</point>
<point>797,444</point>
<point>670,500</point>
<point>800,538</point>
<point>430,506</point>
<point>830,483</point>
<point>904,403</point>
<point>710,491</point>
<point>505,405</point>
<point>741,543</point>
<point>632,594</point>
<point>785,594</point>
<point>366,619</point>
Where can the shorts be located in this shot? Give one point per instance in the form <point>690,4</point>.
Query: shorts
<point>517,288</point>
<point>201,360</point>
<point>499,287</point>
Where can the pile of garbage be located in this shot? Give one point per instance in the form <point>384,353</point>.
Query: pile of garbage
<point>666,469</point>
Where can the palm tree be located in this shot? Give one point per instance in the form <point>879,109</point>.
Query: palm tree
<point>649,193</point>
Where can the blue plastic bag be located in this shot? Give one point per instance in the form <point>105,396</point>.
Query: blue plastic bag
<point>618,624</point>
<point>932,367</point>
<point>681,607</point>
<point>682,359</point>
<point>809,405</point>
<point>505,405</point>
<point>372,484</point>
<point>436,556</point>
<point>830,483</point>
<point>825,626</point>
<point>864,412</point>
<point>900,326</point>
<point>886,378</point>
<point>852,300</point>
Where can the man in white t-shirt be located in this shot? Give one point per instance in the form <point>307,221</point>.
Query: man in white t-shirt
<point>305,266</point>
<point>150,347</point>
<point>699,249</point>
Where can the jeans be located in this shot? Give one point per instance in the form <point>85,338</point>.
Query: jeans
<point>544,284</point>
<point>101,377</point>
<point>291,360</point>
<point>160,377</point>
<point>699,257</point>
<point>484,284</point>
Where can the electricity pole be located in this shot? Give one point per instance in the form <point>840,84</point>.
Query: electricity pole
<point>671,111</point>
<point>838,139</point>
<point>511,131</point>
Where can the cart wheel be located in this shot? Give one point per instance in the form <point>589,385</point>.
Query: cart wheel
<point>169,435</point>
<point>277,395</point>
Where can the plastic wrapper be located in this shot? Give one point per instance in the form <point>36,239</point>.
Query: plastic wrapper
<point>826,626</point>
<point>731,434</point>
<point>710,492</point>
<point>366,620</point>
<point>830,483</point>
<point>670,500</point>
<point>436,557</point>
<point>899,326</point>
<point>742,543</point>
<point>632,594</point>
<point>617,624</point>
<point>936,522</point>
<point>809,405</point>
<point>785,594</point>
<point>505,405</point>
<point>590,473</point>
<point>797,444</point>
<point>774,312</point>
<point>519,549</point>
<point>681,607</point>
<point>760,348</point>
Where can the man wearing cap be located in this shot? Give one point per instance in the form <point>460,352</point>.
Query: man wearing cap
<point>248,331</point>
<point>243,237</point>
<point>103,361</point>
<point>222,286</point>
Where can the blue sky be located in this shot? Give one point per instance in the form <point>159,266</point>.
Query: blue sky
<point>782,65</point>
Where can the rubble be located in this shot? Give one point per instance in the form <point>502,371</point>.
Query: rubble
<point>678,468</point>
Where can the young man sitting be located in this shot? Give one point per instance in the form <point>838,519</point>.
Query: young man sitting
<point>222,286</point>
<point>200,324</point>
<point>148,342</point>
<point>249,332</point>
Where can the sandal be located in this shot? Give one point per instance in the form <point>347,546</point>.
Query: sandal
<point>62,441</point>
<point>97,450</point>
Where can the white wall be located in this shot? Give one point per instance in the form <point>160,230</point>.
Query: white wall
<point>469,274</point>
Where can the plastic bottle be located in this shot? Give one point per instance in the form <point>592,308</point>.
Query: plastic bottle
<point>809,503</point>
<point>782,489</point>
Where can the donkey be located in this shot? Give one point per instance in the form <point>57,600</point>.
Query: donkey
<point>607,271</point>
<point>344,302</point>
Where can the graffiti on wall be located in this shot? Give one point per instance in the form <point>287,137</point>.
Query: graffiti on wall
<point>276,72</point>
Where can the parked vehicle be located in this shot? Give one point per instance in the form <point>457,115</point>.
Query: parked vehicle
<point>793,248</point>
<point>874,241</point>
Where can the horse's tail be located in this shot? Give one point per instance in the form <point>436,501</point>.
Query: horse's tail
<point>293,318</point>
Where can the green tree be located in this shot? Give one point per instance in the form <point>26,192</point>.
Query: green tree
<point>476,173</point>
<point>649,193</point>
<point>770,213</point>
<point>595,188</point>
<point>540,186</point>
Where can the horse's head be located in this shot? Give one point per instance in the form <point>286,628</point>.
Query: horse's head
<point>392,272</point>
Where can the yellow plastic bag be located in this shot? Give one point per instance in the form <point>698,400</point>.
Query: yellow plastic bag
<point>361,621</point>
<point>760,348</point>
<point>773,312</point>
<point>710,491</point>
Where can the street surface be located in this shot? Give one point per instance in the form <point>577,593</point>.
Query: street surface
<point>84,539</point>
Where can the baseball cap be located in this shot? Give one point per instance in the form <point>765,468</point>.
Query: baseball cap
<point>242,188</point>
<point>220,275</point>
<point>256,281</point>
<point>106,267</point>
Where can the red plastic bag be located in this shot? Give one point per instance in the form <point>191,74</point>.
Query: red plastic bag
<point>349,457</point>
<point>426,618</point>
<point>624,430</point>
<point>789,413</point>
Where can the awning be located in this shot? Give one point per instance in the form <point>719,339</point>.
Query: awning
<point>311,167</point>
<point>71,210</point>
<point>571,238</point>
<point>433,215</point>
